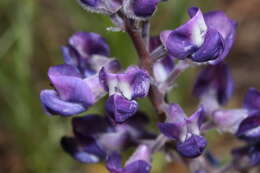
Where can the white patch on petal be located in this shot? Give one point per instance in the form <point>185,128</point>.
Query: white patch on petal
<point>125,88</point>
<point>160,73</point>
<point>198,30</point>
<point>253,132</point>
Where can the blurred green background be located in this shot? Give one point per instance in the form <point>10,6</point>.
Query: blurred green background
<point>31,33</point>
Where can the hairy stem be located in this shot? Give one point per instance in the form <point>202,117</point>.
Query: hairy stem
<point>156,97</point>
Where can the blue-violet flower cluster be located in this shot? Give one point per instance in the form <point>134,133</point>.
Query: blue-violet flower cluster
<point>90,74</point>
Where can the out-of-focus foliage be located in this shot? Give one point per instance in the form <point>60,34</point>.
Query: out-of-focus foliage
<point>31,33</point>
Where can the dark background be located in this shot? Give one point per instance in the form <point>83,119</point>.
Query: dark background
<point>31,33</point>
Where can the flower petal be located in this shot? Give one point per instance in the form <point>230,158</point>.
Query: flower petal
<point>133,83</point>
<point>101,6</point>
<point>88,44</point>
<point>252,101</point>
<point>215,78</point>
<point>187,38</point>
<point>170,130</point>
<point>192,147</point>
<point>229,120</point>
<point>120,108</point>
<point>85,153</point>
<point>140,9</point>
<point>212,47</point>
<point>54,105</point>
<point>73,89</point>
<point>249,129</point>
<point>89,125</point>
<point>225,26</point>
<point>114,163</point>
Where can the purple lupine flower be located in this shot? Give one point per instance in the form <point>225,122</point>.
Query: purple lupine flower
<point>214,86</point>
<point>247,156</point>
<point>185,131</point>
<point>123,89</point>
<point>162,67</point>
<point>76,83</point>
<point>139,162</point>
<point>108,7</point>
<point>252,101</point>
<point>249,128</point>
<point>204,38</point>
<point>229,120</point>
<point>95,137</point>
<point>140,9</point>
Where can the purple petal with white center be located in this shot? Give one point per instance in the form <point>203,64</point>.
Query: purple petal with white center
<point>88,152</point>
<point>211,49</point>
<point>101,6</point>
<point>120,108</point>
<point>249,129</point>
<point>229,120</point>
<point>163,68</point>
<point>54,105</point>
<point>252,101</point>
<point>215,78</point>
<point>225,26</point>
<point>186,39</point>
<point>132,83</point>
<point>192,147</point>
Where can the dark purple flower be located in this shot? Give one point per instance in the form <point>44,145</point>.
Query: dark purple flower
<point>214,85</point>
<point>101,6</point>
<point>76,83</point>
<point>249,128</point>
<point>139,162</point>
<point>140,9</point>
<point>95,137</point>
<point>252,101</point>
<point>87,151</point>
<point>184,130</point>
<point>204,38</point>
<point>247,156</point>
<point>123,89</point>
